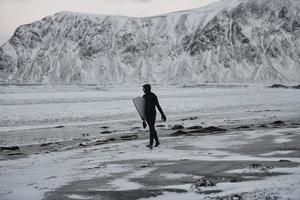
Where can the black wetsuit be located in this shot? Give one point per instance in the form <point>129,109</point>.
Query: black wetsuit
<point>150,111</point>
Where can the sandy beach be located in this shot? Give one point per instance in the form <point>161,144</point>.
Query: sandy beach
<point>250,150</point>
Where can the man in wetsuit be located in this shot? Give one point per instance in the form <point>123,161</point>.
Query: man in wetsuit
<point>150,112</point>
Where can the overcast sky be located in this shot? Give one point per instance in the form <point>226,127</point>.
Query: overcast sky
<point>14,13</point>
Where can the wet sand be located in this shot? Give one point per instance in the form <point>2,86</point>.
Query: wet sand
<point>119,166</point>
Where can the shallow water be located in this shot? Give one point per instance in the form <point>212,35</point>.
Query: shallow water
<point>44,106</point>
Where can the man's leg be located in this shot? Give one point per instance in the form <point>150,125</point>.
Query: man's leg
<point>151,124</point>
<point>152,133</point>
<point>155,137</point>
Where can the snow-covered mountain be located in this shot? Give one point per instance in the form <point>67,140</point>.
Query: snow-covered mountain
<point>231,40</point>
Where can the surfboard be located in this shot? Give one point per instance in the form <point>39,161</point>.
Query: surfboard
<point>139,103</point>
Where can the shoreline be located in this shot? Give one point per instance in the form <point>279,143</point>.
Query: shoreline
<point>95,135</point>
<point>155,173</point>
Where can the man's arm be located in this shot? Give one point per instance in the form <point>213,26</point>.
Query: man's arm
<point>163,116</point>
<point>144,121</point>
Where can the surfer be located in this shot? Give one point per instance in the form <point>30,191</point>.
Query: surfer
<point>150,102</point>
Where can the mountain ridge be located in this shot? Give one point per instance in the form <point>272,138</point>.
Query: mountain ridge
<point>240,40</point>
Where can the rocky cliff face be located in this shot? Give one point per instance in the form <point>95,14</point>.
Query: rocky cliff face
<point>236,40</point>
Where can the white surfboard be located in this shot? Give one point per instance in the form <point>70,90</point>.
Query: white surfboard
<point>139,103</point>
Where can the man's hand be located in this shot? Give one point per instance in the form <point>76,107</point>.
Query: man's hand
<point>144,124</point>
<point>163,117</point>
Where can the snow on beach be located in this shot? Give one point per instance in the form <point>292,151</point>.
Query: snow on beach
<point>30,178</point>
<point>100,167</point>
